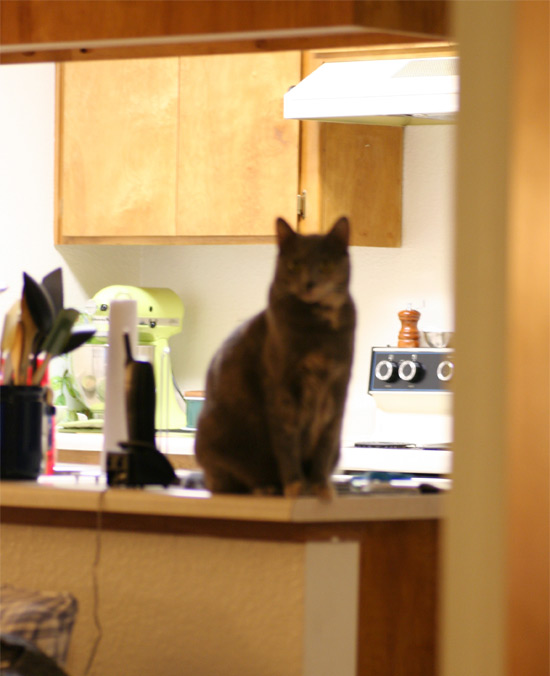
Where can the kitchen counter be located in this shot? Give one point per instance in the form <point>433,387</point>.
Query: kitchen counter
<point>286,586</point>
<point>90,494</point>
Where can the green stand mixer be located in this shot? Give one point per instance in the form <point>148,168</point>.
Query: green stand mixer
<point>160,316</point>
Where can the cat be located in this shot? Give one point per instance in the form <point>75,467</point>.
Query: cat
<point>276,389</point>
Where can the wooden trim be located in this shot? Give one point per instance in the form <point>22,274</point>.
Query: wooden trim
<point>186,525</point>
<point>398,608</point>
<point>412,50</point>
<point>174,240</point>
<point>58,149</point>
<point>528,332</point>
<point>333,40</point>
<point>46,30</point>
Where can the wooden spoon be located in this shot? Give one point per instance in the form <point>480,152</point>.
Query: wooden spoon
<point>17,352</point>
<point>8,334</point>
<point>30,331</point>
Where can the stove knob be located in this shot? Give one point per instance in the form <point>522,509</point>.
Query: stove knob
<point>445,370</point>
<point>409,370</point>
<point>386,370</point>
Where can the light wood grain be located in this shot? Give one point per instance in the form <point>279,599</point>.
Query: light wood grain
<point>200,140</point>
<point>528,331</point>
<point>47,30</point>
<point>361,172</point>
<point>238,157</point>
<point>117,168</point>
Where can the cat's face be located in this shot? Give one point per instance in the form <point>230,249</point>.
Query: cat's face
<point>314,268</point>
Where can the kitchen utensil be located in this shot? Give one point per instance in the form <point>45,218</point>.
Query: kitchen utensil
<point>37,314</point>
<point>77,338</point>
<point>39,304</point>
<point>56,340</point>
<point>409,336</point>
<point>8,334</point>
<point>53,284</point>
<point>16,351</point>
<point>29,337</point>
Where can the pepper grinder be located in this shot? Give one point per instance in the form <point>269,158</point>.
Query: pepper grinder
<point>409,335</point>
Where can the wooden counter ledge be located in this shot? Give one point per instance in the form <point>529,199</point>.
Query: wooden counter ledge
<point>60,495</point>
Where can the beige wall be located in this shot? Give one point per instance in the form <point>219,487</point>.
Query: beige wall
<point>169,604</point>
<point>172,604</point>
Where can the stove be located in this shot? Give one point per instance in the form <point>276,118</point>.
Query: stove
<point>413,415</point>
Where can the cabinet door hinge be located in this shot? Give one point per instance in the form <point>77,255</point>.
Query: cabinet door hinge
<point>301,204</point>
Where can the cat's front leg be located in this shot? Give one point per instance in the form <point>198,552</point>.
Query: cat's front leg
<point>323,461</point>
<point>284,436</point>
<point>294,489</point>
<point>287,453</point>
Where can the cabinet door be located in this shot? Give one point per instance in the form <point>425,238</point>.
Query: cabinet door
<point>354,170</point>
<point>117,144</point>
<point>362,176</point>
<point>238,158</point>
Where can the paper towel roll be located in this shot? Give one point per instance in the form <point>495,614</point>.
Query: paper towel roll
<point>122,319</point>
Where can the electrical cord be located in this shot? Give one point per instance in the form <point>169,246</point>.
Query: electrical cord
<point>95,582</point>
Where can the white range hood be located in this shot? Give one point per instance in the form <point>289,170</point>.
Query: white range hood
<point>391,92</point>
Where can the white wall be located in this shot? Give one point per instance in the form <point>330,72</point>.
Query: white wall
<point>221,285</point>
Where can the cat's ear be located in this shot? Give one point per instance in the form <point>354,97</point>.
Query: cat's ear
<point>284,231</point>
<point>340,231</point>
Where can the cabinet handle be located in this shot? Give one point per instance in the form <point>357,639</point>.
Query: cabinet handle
<point>301,204</point>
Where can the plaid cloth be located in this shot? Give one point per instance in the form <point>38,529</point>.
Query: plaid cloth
<point>44,618</point>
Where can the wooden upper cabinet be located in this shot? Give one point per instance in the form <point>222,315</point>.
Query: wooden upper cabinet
<point>116,148</point>
<point>238,156</point>
<point>176,150</point>
<point>196,150</point>
<point>361,168</point>
<point>353,170</point>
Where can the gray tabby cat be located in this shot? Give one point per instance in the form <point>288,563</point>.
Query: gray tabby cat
<point>276,389</point>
